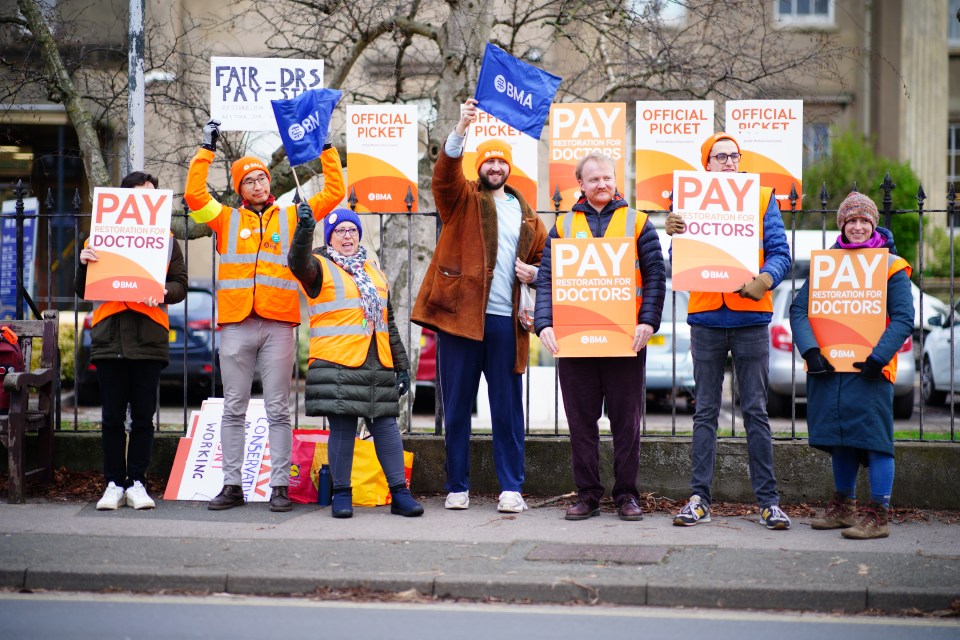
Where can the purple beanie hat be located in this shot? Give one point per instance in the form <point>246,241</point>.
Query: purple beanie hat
<point>337,216</point>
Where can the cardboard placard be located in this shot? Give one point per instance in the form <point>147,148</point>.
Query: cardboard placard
<point>130,230</point>
<point>848,303</point>
<point>577,130</point>
<point>594,296</point>
<point>382,153</point>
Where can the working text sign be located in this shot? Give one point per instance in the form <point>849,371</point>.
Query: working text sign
<point>130,231</point>
<point>720,249</point>
<point>241,89</point>
<point>848,303</point>
<point>594,296</point>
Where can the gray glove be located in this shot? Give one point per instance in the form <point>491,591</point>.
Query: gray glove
<point>305,216</point>
<point>211,131</point>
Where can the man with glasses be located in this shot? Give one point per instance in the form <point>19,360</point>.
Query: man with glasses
<point>490,243</point>
<point>738,323</point>
<point>258,306</point>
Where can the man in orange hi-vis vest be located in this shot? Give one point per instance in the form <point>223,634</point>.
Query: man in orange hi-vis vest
<point>130,346</point>
<point>258,306</point>
<point>736,322</point>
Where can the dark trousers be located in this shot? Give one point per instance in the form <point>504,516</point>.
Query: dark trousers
<point>132,382</point>
<point>587,384</point>
<point>461,362</point>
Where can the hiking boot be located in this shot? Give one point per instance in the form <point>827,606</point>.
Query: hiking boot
<point>694,512</point>
<point>279,500</point>
<point>457,500</point>
<point>628,509</point>
<point>113,497</point>
<point>871,523</point>
<point>342,505</point>
<point>511,502</point>
<point>403,504</point>
<point>582,510</point>
<point>841,514</point>
<point>773,518</point>
<point>229,497</point>
<point>138,498</point>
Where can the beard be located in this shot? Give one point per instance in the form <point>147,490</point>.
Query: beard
<point>495,183</point>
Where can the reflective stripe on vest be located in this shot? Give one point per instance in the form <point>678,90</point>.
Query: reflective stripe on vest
<point>337,331</point>
<point>253,278</point>
<point>103,310</point>
<point>571,225</point>
<point>895,264</point>
<point>701,301</point>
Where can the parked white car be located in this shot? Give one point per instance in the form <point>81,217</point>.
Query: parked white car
<point>940,354</point>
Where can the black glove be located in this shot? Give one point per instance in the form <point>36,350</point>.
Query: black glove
<point>305,216</point>
<point>211,131</point>
<point>817,365</point>
<point>870,368</point>
<point>403,382</point>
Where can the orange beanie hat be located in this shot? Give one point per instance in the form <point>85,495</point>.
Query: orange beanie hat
<point>712,140</point>
<point>243,166</point>
<point>494,149</point>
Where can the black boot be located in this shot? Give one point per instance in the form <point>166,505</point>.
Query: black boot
<point>279,500</point>
<point>229,497</point>
<point>342,506</point>
<point>403,504</point>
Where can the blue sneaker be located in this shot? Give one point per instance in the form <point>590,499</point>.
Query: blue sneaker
<point>694,512</point>
<point>773,518</point>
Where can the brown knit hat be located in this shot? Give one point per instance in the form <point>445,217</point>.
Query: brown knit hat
<point>857,205</point>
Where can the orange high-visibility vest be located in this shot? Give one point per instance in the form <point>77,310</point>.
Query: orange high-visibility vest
<point>338,328</point>
<point>158,314</point>
<point>711,300</point>
<point>575,225</point>
<point>253,275</point>
<point>895,264</point>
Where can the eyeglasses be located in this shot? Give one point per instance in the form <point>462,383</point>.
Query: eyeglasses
<point>723,157</point>
<point>249,182</point>
<point>343,232</point>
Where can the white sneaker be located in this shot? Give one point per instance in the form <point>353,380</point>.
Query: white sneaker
<point>457,500</point>
<point>112,498</point>
<point>138,498</point>
<point>511,502</point>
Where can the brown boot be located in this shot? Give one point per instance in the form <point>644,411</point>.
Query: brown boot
<point>872,523</point>
<point>841,514</point>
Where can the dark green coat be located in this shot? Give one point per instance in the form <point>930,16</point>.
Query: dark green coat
<point>367,391</point>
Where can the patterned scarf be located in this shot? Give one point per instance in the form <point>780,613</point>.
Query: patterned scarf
<point>369,298</point>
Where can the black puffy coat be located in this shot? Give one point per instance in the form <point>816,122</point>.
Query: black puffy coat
<point>367,391</point>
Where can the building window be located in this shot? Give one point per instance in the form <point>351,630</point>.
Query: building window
<point>804,13</point>
<point>953,162</point>
<point>670,13</point>
<point>953,25</point>
<point>816,142</point>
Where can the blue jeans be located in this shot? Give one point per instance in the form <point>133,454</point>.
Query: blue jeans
<point>750,347</point>
<point>461,362</point>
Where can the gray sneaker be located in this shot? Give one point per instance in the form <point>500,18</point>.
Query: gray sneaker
<point>773,518</point>
<point>694,512</point>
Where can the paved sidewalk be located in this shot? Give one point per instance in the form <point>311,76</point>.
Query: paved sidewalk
<point>477,554</point>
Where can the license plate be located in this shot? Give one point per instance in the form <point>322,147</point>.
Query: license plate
<point>173,335</point>
<point>657,341</point>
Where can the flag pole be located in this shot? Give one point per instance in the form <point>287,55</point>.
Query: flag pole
<point>297,181</point>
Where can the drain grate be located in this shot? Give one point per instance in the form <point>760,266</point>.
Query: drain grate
<point>618,554</point>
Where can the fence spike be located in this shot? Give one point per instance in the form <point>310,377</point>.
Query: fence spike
<point>77,201</point>
<point>19,191</point>
<point>855,187</point>
<point>296,196</point>
<point>921,196</point>
<point>888,186</point>
<point>793,196</point>
<point>408,200</point>
<point>951,194</point>
<point>824,196</point>
<point>50,202</point>
<point>556,198</point>
<point>353,199</point>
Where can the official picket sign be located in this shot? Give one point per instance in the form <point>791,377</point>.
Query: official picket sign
<point>241,89</point>
<point>383,154</point>
<point>848,303</point>
<point>524,172</point>
<point>669,135</point>
<point>720,249</point>
<point>594,296</point>
<point>130,230</point>
<point>197,472</point>
<point>8,254</point>
<point>770,133</point>
<point>577,130</point>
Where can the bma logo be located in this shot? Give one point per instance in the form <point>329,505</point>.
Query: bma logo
<point>593,339</point>
<point>379,196</point>
<point>710,274</point>
<point>503,86</point>
<point>842,353</point>
<point>123,284</point>
<point>296,132</point>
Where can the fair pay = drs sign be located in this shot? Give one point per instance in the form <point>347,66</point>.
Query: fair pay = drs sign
<point>594,296</point>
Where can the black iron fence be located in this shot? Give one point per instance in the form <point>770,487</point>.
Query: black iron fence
<point>933,399</point>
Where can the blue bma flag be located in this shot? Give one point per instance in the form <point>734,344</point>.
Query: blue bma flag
<point>303,122</point>
<point>514,91</point>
